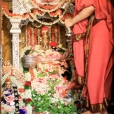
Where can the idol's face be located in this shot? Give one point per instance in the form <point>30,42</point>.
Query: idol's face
<point>8,85</point>
<point>45,35</point>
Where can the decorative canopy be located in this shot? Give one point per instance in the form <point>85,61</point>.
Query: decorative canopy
<point>45,12</point>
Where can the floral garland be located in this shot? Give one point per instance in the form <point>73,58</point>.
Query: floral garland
<point>38,12</point>
<point>46,23</point>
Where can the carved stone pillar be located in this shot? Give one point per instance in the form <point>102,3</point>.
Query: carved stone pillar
<point>15,30</point>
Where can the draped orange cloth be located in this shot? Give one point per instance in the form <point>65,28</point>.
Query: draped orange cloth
<point>100,59</point>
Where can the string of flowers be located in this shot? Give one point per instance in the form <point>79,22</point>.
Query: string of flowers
<point>28,96</point>
<point>46,23</point>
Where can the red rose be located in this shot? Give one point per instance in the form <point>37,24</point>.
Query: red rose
<point>28,83</point>
<point>28,100</point>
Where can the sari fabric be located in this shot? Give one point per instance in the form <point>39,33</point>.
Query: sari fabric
<point>97,77</point>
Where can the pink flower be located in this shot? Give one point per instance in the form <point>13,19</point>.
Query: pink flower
<point>40,80</point>
<point>20,98</point>
<point>2,108</point>
<point>10,98</point>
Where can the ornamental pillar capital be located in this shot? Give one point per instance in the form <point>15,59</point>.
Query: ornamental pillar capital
<point>15,25</point>
<point>15,31</point>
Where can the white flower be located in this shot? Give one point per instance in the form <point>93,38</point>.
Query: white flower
<point>28,93</point>
<point>12,103</point>
<point>34,95</point>
<point>59,106</point>
<point>29,109</point>
<point>27,76</point>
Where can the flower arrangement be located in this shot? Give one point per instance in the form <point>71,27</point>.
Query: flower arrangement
<point>46,90</point>
<point>51,95</point>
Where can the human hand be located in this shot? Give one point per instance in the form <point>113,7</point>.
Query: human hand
<point>69,22</point>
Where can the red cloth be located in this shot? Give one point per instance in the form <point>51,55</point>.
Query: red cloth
<point>100,50</point>
<point>100,64</point>
<point>102,11</point>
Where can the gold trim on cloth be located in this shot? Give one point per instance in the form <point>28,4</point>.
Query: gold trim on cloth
<point>80,80</point>
<point>79,37</point>
<point>92,21</point>
<point>100,107</point>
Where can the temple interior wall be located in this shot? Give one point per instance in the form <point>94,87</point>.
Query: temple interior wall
<point>6,40</point>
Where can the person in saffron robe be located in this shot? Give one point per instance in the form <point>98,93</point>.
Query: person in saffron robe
<point>93,51</point>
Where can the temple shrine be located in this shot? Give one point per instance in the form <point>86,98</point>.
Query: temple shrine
<point>37,60</point>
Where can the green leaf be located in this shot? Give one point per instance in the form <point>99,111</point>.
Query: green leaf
<point>41,74</point>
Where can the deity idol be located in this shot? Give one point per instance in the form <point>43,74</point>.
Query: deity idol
<point>7,93</point>
<point>45,38</point>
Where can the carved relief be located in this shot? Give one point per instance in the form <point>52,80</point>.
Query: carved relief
<point>18,7</point>
<point>15,49</point>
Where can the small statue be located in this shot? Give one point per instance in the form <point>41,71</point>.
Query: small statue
<point>7,94</point>
<point>45,38</point>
